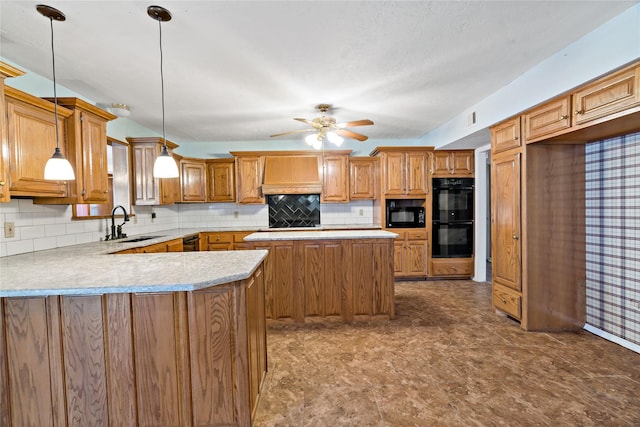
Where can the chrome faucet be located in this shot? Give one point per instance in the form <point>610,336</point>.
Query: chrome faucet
<point>116,232</point>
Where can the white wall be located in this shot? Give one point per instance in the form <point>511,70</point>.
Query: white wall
<point>40,227</point>
<point>609,46</point>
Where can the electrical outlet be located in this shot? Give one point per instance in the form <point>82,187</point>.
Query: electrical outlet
<point>235,214</point>
<point>361,212</point>
<point>9,230</point>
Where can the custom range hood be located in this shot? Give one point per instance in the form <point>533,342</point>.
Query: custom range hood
<point>292,174</point>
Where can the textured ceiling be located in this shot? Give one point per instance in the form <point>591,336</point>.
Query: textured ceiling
<point>241,70</point>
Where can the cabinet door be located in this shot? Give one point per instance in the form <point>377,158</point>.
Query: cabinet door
<point>394,173</point>
<point>249,180</point>
<point>607,96</point>
<point>441,164</point>
<point>506,135</point>
<point>416,262</point>
<point>32,140</point>
<point>192,180</point>
<point>398,257</point>
<point>94,159</point>
<point>505,221</point>
<point>145,190</point>
<point>416,170</point>
<point>547,119</point>
<point>169,189</point>
<point>362,177</point>
<point>335,179</point>
<point>4,150</point>
<point>463,162</point>
<point>221,182</point>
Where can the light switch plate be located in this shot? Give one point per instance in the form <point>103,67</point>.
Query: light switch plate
<point>9,230</point>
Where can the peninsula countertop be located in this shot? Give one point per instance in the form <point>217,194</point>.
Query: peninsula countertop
<point>92,268</point>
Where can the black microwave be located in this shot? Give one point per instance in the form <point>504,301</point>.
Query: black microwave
<point>405,216</point>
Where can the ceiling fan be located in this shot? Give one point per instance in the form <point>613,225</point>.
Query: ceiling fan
<point>327,127</point>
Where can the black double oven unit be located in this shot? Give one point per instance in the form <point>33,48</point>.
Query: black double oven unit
<point>452,216</point>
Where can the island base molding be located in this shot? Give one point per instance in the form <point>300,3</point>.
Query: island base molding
<point>128,359</point>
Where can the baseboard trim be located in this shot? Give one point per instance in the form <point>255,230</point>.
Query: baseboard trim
<point>613,338</point>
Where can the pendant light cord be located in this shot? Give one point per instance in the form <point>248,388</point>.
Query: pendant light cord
<point>55,94</point>
<point>164,136</point>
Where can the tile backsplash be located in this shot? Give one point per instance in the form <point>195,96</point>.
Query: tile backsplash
<point>40,227</point>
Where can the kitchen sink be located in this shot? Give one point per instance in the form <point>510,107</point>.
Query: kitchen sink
<point>139,239</point>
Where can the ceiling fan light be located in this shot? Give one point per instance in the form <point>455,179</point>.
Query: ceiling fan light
<point>318,144</point>
<point>335,139</point>
<point>58,168</point>
<point>311,139</point>
<point>165,166</point>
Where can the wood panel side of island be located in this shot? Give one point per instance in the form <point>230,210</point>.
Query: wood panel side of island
<point>134,359</point>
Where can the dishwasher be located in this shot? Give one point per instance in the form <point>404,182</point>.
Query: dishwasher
<point>190,243</point>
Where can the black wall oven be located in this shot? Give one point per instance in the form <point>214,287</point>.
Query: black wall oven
<point>452,228</point>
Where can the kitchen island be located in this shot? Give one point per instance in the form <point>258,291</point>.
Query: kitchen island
<point>88,338</point>
<point>329,275</point>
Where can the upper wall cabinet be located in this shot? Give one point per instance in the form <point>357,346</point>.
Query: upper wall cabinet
<point>506,135</point>
<point>249,178</point>
<point>363,172</point>
<point>87,147</point>
<point>404,170</point>
<point>452,163</point>
<point>608,95</point>
<point>547,119</point>
<point>221,185</point>
<point>147,190</point>
<point>193,177</point>
<point>31,137</point>
<point>6,71</point>
<point>335,178</point>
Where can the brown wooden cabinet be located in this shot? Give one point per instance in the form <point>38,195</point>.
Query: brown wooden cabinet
<point>147,190</point>
<point>311,280</point>
<point>506,135</point>
<point>223,240</point>
<point>335,178</point>
<point>452,163</point>
<point>6,71</point>
<point>248,178</point>
<point>199,359</point>
<point>410,253</point>
<point>363,177</point>
<point>174,245</point>
<point>607,96</point>
<point>31,135</point>
<point>86,131</point>
<point>193,180</point>
<point>221,184</point>
<point>451,267</point>
<point>547,119</point>
<point>404,170</point>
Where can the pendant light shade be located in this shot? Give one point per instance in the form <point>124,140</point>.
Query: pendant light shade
<point>57,168</point>
<point>165,165</point>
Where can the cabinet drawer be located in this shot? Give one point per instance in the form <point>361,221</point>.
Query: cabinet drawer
<point>452,267</point>
<point>507,301</point>
<point>416,235</point>
<point>215,238</point>
<point>506,135</point>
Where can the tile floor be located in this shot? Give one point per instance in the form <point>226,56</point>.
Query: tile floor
<point>446,360</point>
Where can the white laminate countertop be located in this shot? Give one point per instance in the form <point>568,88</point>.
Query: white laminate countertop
<point>319,235</point>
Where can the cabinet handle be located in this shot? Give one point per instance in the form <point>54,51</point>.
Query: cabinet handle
<point>504,301</point>
<point>565,117</point>
<point>579,112</point>
<point>515,237</point>
<point>2,183</point>
<point>516,138</point>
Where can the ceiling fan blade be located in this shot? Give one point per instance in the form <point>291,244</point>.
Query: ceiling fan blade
<point>350,134</point>
<point>293,131</point>
<point>310,122</point>
<point>364,122</point>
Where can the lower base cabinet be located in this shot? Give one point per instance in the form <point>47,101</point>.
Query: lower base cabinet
<point>322,280</point>
<point>149,359</point>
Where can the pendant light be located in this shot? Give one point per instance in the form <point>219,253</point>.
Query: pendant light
<point>57,168</point>
<point>165,165</point>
